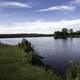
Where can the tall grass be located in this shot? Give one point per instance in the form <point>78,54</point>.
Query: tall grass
<point>19,62</point>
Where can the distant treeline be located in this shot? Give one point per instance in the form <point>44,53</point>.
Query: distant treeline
<point>65,33</point>
<point>24,35</point>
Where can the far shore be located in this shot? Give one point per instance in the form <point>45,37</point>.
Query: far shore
<point>24,35</point>
<point>32,35</point>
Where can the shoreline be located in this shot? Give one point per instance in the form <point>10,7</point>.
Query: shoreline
<point>21,59</point>
<point>24,35</point>
<point>35,35</point>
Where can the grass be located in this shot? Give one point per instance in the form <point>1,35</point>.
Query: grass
<point>73,72</point>
<point>16,64</point>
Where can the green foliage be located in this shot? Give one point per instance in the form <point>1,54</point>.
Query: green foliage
<point>71,31</point>
<point>25,45</point>
<point>62,34</point>
<point>16,64</point>
<point>74,72</point>
<point>65,33</point>
<point>65,30</point>
<point>31,57</point>
<point>36,73</point>
<point>36,60</point>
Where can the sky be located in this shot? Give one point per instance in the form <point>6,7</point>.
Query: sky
<point>38,16</point>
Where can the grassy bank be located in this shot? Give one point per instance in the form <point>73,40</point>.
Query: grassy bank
<point>20,62</point>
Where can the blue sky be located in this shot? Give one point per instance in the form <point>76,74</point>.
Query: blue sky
<point>38,16</point>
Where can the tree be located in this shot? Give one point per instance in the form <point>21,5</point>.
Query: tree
<point>71,31</point>
<point>25,45</point>
<point>65,30</point>
<point>62,34</point>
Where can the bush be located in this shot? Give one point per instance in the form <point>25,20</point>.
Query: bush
<point>73,72</point>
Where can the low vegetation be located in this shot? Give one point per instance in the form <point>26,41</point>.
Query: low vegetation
<point>19,62</point>
<point>73,72</point>
<point>65,33</point>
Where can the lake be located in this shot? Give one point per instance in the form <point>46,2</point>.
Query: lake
<point>57,53</point>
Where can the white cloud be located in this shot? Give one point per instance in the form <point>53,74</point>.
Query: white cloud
<point>11,4</point>
<point>39,26</point>
<point>61,8</point>
<point>75,2</point>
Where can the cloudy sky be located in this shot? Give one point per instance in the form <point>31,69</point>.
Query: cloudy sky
<point>38,16</point>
